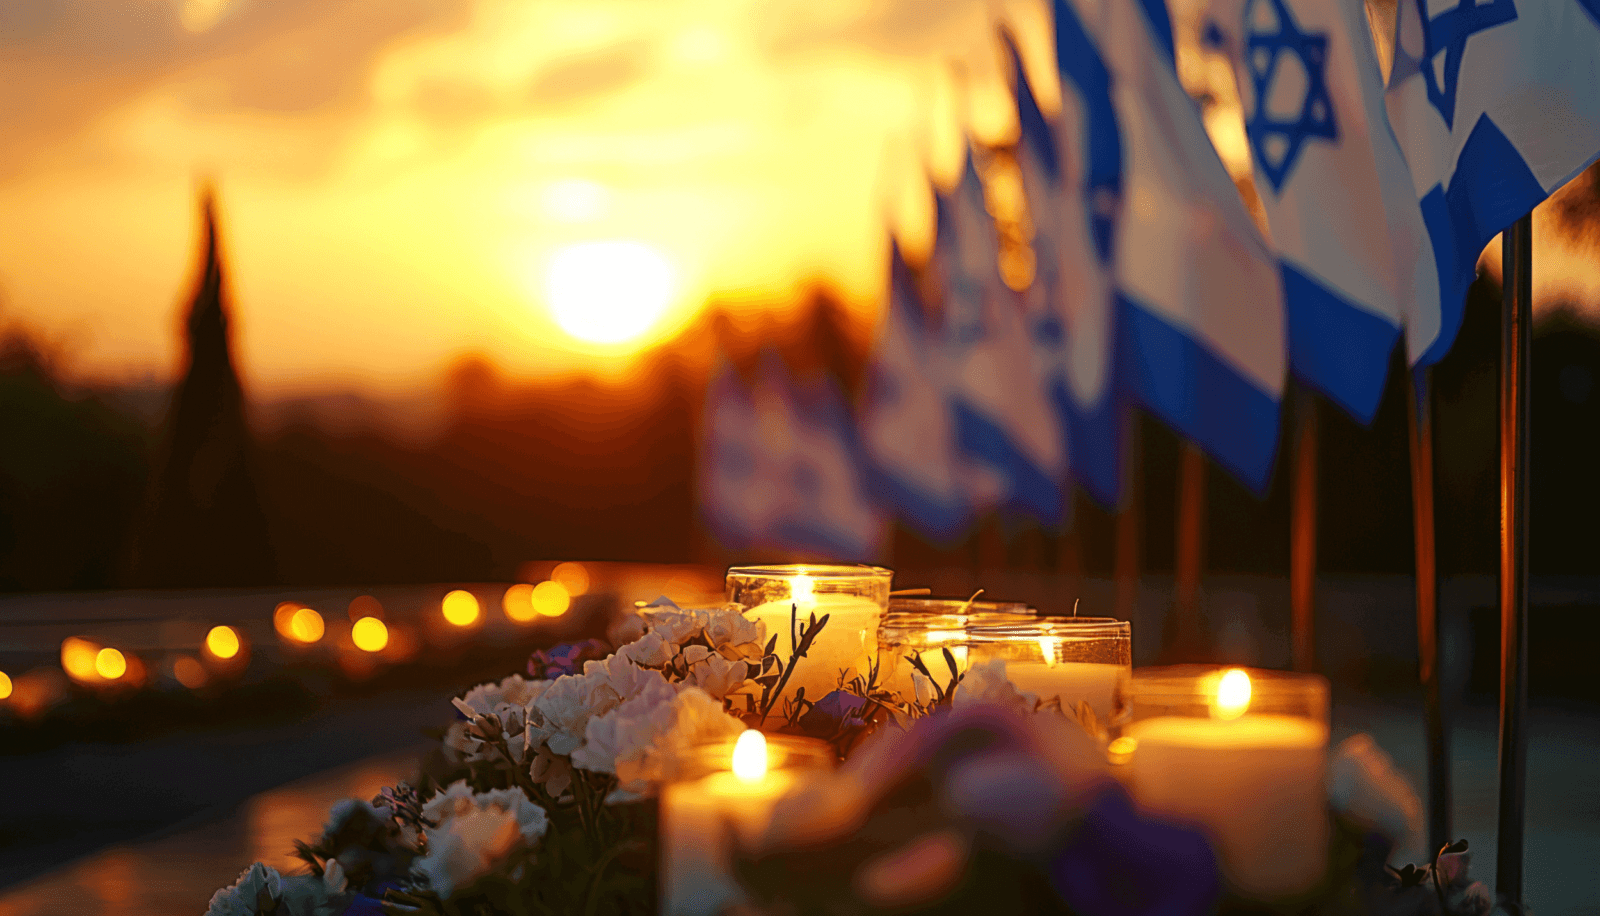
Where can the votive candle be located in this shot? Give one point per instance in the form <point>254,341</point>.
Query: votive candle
<point>721,794</point>
<point>852,597</point>
<point>1241,754</point>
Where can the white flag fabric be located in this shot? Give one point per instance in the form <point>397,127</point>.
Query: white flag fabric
<point>1496,103</point>
<point>1004,422</point>
<point>782,467</point>
<point>1201,325</point>
<point>907,431</point>
<point>1072,175</point>
<point>1337,194</point>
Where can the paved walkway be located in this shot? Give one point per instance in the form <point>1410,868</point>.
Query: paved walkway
<point>175,874</point>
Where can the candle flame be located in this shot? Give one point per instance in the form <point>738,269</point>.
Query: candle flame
<point>750,756</point>
<point>803,589</point>
<point>1049,647</point>
<point>1233,694</point>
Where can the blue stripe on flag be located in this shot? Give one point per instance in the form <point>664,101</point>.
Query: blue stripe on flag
<point>1155,12</point>
<point>1028,490</point>
<point>1491,188</point>
<point>1036,132</point>
<point>1079,58</point>
<point>940,520</point>
<point>1198,394</point>
<point>1095,440</point>
<point>1340,349</point>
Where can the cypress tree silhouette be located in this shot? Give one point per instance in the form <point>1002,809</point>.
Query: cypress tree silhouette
<point>204,524</point>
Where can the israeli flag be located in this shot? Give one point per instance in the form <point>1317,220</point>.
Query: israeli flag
<point>781,467</point>
<point>1201,322</point>
<point>1004,422</point>
<point>1496,103</point>
<point>907,431</point>
<point>1337,194</point>
<point>1072,177</point>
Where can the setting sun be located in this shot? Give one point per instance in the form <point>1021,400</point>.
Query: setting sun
<point>609,292</point>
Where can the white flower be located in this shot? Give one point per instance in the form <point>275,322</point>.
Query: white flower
<point>515,691</point>
<point>985,683</point>
<point>923,686</point>
<point>560,715</point>
<point>626,629</point>
<point>674,626</point>
<point>641,739</point>
<point>309,895</point>
<point>475,831</point>
<point>735,635</point>
<point>507,704</point>
<point>1363,786</point>
<point>550,770</point>
<point>649,650</point>
<point>333,877</point>
<point>718,676</point>
<point>258,889</point>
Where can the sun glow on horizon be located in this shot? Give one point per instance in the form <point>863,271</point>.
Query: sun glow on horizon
<point>609,292</point>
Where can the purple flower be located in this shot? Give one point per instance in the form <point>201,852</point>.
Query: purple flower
<point>831,714</point>
<point>1117,862</point>
<point>362,905</point>
<point>566,658</point>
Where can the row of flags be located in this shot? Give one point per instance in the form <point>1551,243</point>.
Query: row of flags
<point>1154,286</point>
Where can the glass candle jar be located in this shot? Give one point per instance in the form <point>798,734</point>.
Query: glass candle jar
<point>924,627</point>
<point>1242,754</point>
<point>1069,659</point>
<point>853,598</point>
<point>719,794</point>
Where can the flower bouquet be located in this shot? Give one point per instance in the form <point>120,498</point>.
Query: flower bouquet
<point>967,794</point>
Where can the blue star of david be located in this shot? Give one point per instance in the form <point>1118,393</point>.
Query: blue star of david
<point>1448,33</point>
<point>1277,142</point>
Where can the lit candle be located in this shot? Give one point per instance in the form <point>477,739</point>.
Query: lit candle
<point>852,597</point>
<point>703,815</point>
<point>1066,659</point>
<point>924,627</point>
<point>1244,759</point>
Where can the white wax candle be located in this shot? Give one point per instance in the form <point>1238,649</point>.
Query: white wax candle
<point>1255,784</point>
<point>850,640</point>
<point>1093,683</point>
<point>696,846</point>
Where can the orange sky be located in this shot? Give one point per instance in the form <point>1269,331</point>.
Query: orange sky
<point>394,175</point>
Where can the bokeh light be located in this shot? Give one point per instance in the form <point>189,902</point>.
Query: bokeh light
<point>550,599</point>
<point>282,615</point>
<point>609,292</point>
<point>189,672</point>
<point>365,606</point>
<point>110,664</point>
<point>460,608</point>
<point>573,577</point>
<point>5,685</point>
<point>305,625</point>
<point>222,642</point>
<point>518,603</point>
<point>77,658</point>
<point>369,634</point>
<point>37,691</point>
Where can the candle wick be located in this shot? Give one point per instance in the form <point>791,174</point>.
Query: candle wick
<point>1075,606</point>
<point>968,606</point>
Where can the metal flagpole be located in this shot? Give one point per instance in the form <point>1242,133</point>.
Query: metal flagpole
<point>1420,415</point>
<point>1129,518</point>
<point>1190,553</point>
<point>1303,532</point>
<point>1516,325</point>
